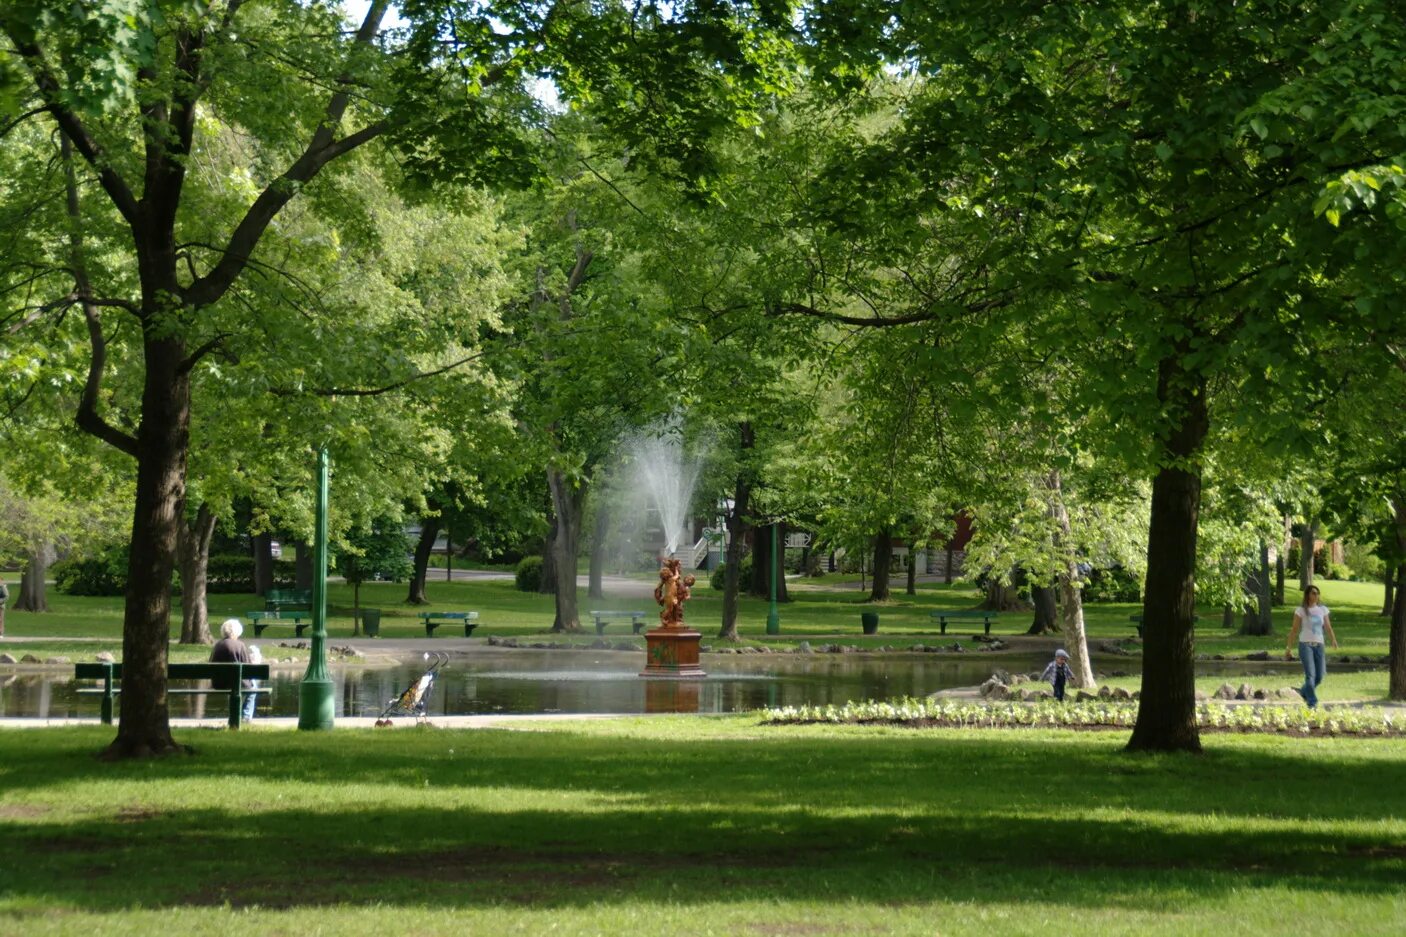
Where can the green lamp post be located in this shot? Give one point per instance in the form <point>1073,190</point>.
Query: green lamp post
<point>316,693</point>
<point>773,617</point>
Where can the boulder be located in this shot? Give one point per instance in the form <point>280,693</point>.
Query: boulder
<point>1288,693</point>
<point>994,689</point>
<point>1225,691</point>
<point>804,648</point>
<point>1257,655</point>
<point>1105,692</point>
<point>106,657</point>
<point>1121,694</point>
<point>1003,676</point>
<point>7,659</point>
<point>1200,696</point>
<point>1261,694</point>
<point>30,659</point>
<point>57,660</point>
<point>1245,691</point>
<point>1084,696</point>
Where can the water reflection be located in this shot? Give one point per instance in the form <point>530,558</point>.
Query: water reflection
<point>523,681</point>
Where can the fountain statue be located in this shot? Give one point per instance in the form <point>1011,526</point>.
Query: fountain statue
<point>672,648</point>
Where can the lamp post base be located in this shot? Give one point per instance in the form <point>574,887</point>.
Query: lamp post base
<point>672,652</point>
<point>316,699</point>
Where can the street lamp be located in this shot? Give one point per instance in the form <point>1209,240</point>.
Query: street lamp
<point>316,693</point>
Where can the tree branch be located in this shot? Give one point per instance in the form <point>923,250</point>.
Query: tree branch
<point>322,148</point>
<point>116,187</point>
<point>192,359</point>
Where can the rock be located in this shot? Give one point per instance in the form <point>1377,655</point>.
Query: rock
<point>492,641</point>
<point>1217,657</point>
<point>804,648</point>
<point>106,657</point>
<point>30,659</point>
<point>1105,692</point>
<point>994,689</point>
<point>1121,694</point>
<point>1226,691</point>
<point>1200,696</point>
<point>1002,675</point>
<point>1137,694</point>
<point>957,649</point>
<point>1288,693</point>
<point>57,660</point>
<point>1035,676</point>
<point>1245,691</point>
<point>1261,694</point>
<point>1018,678</point>
<point>7,659</point>
<point>1083,696</point>
<point>1257,655</point>
<point>1046,694</point>
<point>1023,695</point>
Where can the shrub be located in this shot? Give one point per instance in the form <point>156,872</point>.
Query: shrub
<point>1333,570</point>
<point>715,579</point>
<point>529,574</point>
<point>104,573</point>
<point>1364,562</point>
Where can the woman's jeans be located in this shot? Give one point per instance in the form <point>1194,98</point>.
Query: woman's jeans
<point>252,699</point>
<point>1314,669</point>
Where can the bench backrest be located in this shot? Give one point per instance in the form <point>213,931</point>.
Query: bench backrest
<point>207,671</point>
<point>297,596</point>
<point>964,613</point>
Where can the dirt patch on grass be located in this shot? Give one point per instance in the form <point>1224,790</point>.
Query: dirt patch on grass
<point>21,812</point>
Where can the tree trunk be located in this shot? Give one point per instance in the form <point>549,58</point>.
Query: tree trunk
<point>194,559</point>
<point>595,571</point>
<point>761,562</point>
<point>302,566</point>
<point>1281,561</point>
<point>567,502</point>
<point>1396,653</point>
<point>883,561</point>
<point>1005,597</point>
<point>162,441</point>
<point>1166,719</point>
<point>1310,537</point>
<point>548,583</point>
<point>263,563</point>
<point>33,596</point>
<point>1070,591</point>
<point>1046,614</point>
<point>429,533</point>
<point>947,570</point>
<point>736,522</point>
<point>912,586</point>
<point>1389,582</point>
<point>1258,619</point>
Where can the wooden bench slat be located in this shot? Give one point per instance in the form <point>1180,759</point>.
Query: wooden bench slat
<point>111,674</point>
<point>986,617</point>
<point>604,617</point>
<point>469,619</point>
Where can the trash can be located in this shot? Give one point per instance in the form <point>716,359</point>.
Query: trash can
<point>870,620</point>
<point>371,622</point>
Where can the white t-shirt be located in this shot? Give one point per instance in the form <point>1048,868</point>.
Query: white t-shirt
<point>1311,627</point>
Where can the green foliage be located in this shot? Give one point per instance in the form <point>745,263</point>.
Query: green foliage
<point>744,574</point>
<point>102,573</point>
<point>234,572</point>
<point>379,552</point>
<point>1364,561</point>
<point>528,575</point>
<point>1112,584</point>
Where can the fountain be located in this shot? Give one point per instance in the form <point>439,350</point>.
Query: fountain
<point>668,476</point>
<point>671,650</point>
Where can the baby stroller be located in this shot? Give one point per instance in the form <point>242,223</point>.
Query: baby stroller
<point>413,701</point>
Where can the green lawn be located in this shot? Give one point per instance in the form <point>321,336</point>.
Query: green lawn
<point>700,826</point>
<point>820,613</point>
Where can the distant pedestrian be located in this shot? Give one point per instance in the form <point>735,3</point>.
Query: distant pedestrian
<point>1058,673</point>
<point>4,597</point>
<point>1312,621</point>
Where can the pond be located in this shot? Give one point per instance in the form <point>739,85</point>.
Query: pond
<point>495,681</point>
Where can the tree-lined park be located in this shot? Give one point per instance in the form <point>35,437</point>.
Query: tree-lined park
<point>1095,308</point>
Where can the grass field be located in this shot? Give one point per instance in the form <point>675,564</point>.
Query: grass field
<point>818,613</point>
<point>700,826</point>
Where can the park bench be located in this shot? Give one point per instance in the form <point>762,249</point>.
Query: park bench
<point>262,619</point>
<point>433,620</point>
<point>288,600</point>
<point>943,617</point>
<point>111,676</point>
<point>604,617</point>
<point>1136,618</point>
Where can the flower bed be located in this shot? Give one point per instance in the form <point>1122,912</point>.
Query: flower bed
<point>1101,714</point>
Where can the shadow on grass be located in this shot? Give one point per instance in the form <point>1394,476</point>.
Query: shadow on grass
<point>460,819</point>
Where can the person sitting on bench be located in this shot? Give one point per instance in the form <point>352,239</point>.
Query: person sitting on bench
<point>230,650</point>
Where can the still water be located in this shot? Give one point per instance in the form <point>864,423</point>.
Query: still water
<point>494,681</point>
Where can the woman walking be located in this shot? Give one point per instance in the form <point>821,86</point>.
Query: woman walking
<point>1311,622</point>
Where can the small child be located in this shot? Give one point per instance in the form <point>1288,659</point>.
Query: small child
<point>251,700</point>
<point>1058,673</point>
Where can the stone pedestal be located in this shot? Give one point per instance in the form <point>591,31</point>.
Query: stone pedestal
<point>672,652</point>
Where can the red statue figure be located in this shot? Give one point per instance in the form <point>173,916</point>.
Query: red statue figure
<point>673,590</point>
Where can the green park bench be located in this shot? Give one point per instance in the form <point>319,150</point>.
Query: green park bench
<point>111,676</point>
<point>1137,620</point>
<point>433,620</point>
<point>262,619</point>
<point>288,600</point>
<point>943,617</point>
<point>603,618</point>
